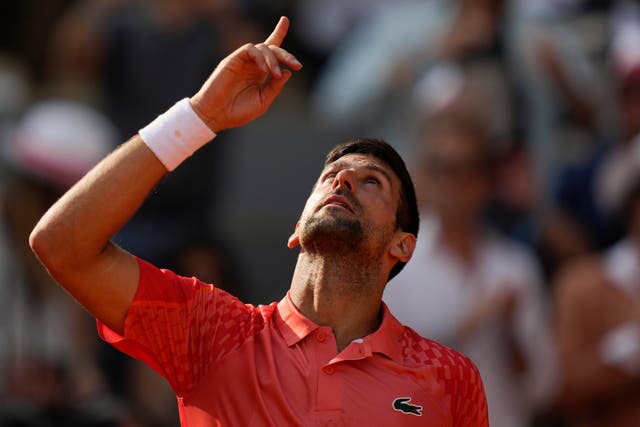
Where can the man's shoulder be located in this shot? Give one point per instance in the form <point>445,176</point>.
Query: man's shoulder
<point>454,372</point>
<point>163,288</point>
<point>421,352</point>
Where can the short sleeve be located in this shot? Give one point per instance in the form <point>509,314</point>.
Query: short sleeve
<point>470,402</point>
<point>180,326</point>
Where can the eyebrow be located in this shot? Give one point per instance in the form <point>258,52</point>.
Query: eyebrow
<point>368,165</point>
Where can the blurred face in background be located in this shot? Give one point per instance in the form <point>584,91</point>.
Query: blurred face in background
<point>458,181</point>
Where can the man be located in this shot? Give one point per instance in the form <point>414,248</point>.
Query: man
<point>329,353</point>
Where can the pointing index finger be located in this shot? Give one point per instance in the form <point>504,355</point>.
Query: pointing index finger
<point>277,36</point>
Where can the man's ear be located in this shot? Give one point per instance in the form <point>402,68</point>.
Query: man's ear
<point>403,246</point>
<point>294,239</point>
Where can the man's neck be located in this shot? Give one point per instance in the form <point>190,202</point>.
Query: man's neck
<point>339,294</point>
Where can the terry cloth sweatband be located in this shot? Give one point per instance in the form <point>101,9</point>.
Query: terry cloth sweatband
<point>176,134</point>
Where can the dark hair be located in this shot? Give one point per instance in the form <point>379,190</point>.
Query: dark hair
<point>407,217</point>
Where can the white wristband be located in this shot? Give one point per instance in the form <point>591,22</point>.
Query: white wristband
<point>176,134</point>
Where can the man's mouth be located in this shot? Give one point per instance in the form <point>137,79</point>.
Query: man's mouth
<point>338,201</point>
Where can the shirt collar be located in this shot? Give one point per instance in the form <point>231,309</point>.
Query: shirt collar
<point>293,325</point>
<point>387,339</point>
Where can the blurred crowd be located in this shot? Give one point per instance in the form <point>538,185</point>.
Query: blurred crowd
<point>520,123</point>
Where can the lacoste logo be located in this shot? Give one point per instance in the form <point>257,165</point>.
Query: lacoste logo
<point>401,404</point>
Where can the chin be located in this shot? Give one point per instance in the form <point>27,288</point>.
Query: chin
<point>332,233</point>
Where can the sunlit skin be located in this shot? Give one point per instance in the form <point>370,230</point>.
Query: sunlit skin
<point>348,244</point>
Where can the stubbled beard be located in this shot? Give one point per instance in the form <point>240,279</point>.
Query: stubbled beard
<point>331,235</point>
<point>344,242</point>
<point>350,245</point>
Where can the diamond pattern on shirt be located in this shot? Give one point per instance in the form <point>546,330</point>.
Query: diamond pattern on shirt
<point>217,351</point>
<point>189,325</point>
<point>460,377</point>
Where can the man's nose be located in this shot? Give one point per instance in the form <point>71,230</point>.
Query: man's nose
<point>344,179</point>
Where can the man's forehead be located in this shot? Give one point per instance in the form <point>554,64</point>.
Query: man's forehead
<point>365,161</point>
<point>361,160</point>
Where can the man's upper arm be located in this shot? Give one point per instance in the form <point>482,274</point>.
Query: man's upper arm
<point>105,287</point>
<point>181,326</point>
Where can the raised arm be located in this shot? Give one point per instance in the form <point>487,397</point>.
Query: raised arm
<point>72,239</point>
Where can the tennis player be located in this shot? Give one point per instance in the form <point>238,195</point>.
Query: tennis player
<point>329,353</point>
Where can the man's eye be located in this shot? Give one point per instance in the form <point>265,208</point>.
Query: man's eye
<point>329,177</point>
<point>372,180</point>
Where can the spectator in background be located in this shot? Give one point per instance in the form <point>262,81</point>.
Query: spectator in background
<point>598,330</point>
<point>48,366</point>
<point>470,288</point>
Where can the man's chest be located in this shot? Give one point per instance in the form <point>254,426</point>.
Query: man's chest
<point>299,386</point>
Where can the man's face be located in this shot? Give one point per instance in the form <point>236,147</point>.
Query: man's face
<point>352,208</point>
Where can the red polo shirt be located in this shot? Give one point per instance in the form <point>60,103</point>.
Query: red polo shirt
<point>232,364</point>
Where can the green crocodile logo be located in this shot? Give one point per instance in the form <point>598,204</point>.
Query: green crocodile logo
<point>401,404</point>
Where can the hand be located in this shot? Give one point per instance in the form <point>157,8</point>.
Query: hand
<point>245,83</point>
